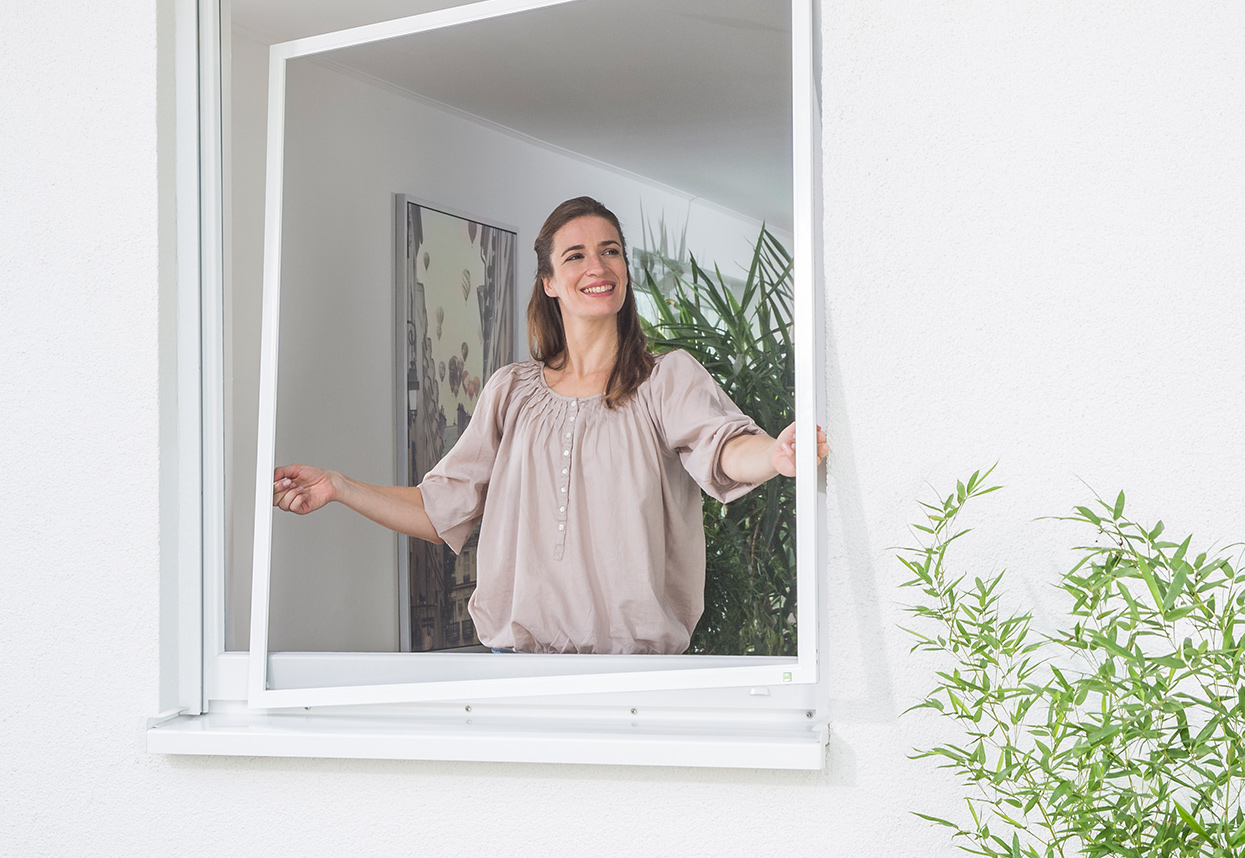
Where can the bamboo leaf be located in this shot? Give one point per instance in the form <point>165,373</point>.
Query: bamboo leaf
<point>936,820</point>
<point>1089,514</point>
<point>1147,574</point>
<point>1176,587</point>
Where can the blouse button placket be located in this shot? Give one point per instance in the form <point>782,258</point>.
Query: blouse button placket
<point>564,478</point>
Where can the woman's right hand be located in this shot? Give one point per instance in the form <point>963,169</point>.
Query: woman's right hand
<point>302,489</point>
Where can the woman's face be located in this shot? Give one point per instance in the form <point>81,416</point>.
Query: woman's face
<point>589,273</point>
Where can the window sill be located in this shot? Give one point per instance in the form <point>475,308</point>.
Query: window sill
<point>463,738</point>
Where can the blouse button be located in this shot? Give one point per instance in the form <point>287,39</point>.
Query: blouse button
<point>566,452</point>
<point>564,470</point>
<point>561,509</point>
<point>561,526</point>
<point>568,434</point>
<point>563,489</point>
<point>572,419</point>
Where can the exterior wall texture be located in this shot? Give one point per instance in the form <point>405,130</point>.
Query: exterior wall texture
<point>1033,221</point>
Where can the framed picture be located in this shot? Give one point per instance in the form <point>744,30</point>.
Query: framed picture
<point>455,314</point>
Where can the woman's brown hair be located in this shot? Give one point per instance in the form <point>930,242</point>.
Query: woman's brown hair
<point>545,334</point>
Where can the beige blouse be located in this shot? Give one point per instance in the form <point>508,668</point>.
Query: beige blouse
<point>592,537</point>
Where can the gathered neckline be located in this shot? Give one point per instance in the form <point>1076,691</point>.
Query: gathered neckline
<point>544,382</point>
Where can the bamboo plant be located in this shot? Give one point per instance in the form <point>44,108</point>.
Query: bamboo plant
<point>1119,733</point>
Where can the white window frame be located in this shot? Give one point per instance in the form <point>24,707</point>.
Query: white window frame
<point>766,719</point>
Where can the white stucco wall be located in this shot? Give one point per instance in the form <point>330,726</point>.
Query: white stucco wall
<point>1033,254</point>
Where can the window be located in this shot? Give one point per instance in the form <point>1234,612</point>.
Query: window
<point>748,702</point>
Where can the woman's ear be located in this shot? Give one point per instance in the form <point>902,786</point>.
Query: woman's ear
<point>548,289</point>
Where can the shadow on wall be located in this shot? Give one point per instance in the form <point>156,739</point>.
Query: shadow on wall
<point>854,627</point>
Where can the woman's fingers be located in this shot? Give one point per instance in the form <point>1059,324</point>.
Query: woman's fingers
<point>283,499</point>
<point>287,492</point>
<point>282,489</point>
<point>292,500</point>
<point>286,472</point>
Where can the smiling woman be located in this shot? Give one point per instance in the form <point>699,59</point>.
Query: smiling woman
<point>584,465</point>
<point>583,290</point>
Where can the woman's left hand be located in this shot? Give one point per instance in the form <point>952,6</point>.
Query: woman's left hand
<point>784,450</point>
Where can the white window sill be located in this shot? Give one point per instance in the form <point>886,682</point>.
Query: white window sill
<point>483,739</point>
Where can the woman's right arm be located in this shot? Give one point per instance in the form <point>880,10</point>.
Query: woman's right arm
<point>301,489</point>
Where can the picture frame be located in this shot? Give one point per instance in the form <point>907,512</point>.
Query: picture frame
<point>455,321</point>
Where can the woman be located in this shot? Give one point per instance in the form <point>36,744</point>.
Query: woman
<point>583,467</point>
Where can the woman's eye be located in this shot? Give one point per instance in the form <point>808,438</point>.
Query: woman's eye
<point>611,251</point>
<point>573,257</point>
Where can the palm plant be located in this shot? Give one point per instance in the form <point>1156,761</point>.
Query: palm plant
<point>741,333</point>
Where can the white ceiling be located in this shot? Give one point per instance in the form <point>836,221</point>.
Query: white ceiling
<point>694,94</point>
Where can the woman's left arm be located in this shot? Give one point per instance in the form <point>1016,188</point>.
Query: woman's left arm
<point>757,458</point>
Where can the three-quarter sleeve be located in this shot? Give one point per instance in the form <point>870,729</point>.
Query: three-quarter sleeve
<point>455,489</point>
<point>698,419</point>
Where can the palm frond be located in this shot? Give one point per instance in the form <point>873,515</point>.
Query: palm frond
<point>741,334</point>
